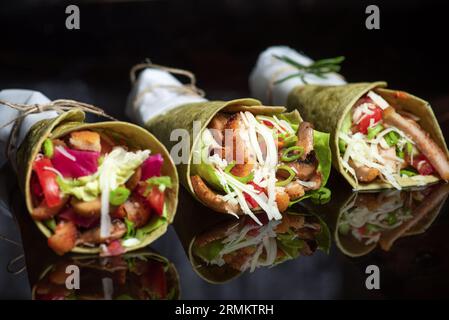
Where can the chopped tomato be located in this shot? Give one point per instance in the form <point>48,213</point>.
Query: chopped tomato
<point>267,123</point>
<point>250,200</point>
<point>423,165</point>
<point>257,187</point>
<point>366,119</point>
<point>36,188</point>
<point>156,200</point>
<point>47,181</point>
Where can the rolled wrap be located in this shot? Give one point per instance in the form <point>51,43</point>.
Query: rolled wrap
<point>174,113</point>
<point>327,106</point>
<point>326,101</point>
<point>73,120</point>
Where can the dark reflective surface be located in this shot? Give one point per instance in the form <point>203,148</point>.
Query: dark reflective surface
<point>142,275</point>
<point>92,66</point>
<point>415,265</point>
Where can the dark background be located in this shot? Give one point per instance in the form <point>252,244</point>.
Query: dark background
<point>220,42</point>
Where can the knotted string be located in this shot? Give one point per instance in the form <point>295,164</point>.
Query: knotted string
<point>188,88</point>
<point>59,106</point>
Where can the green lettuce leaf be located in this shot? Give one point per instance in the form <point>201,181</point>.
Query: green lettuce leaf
<point>210,251</point>
<point>323,153</point>
<point>152,225</point>
<point>204,169</point>
<point>85,188</point>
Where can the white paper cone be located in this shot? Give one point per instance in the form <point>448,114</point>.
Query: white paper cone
<point>7,114</point>
<point>153,94</point>
<point>269,69</point>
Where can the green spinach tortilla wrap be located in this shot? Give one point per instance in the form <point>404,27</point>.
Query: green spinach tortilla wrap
<point>238,157</point>
<point>380,137</point>
<point>141,275</point>
<point>369,219</point>
<point>105,187</point>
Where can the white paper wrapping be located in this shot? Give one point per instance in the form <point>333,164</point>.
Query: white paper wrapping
<point>7,114</point>
<point>154,93</point>
<point>269,69</point>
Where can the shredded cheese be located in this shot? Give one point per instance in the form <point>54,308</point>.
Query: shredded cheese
<point>378,100</point>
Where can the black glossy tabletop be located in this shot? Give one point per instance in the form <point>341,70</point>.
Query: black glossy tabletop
<point>415,266</point>
<point>93,65</point>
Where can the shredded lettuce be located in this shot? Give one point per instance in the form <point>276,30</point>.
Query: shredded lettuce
<point>85,188</point>
<point>119,165</point>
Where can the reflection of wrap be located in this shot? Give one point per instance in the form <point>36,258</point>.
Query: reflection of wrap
<point>73,120</point>
<point>138,275</point>
<point>421,217</point>
<point>199,233</point>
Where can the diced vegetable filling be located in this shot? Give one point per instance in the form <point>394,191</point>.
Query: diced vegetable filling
<point>377,142</point>
<point>256,163</point>
<point>94,192</point>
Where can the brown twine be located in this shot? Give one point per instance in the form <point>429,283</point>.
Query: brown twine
<point>189,88</point>
<point>59,106</point>
<point>11,267</point>
<point>12,263</point>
